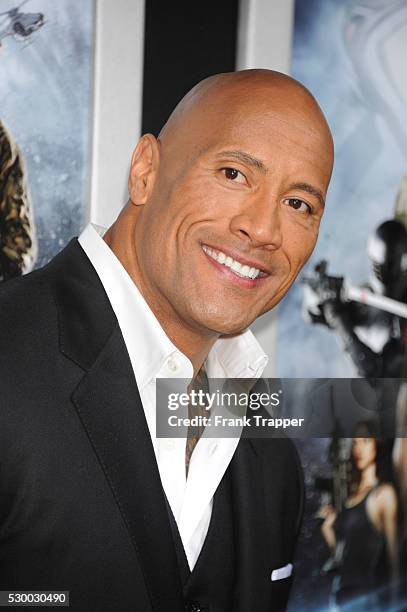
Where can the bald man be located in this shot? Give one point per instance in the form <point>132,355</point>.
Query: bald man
<point>224,210</point>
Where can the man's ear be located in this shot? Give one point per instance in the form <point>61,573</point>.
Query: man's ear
<point>143,170</point>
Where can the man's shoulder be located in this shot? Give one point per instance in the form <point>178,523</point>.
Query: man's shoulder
<point>23,300</point>
<point>28,335</point>
<point>28,312</point>
<point>61,308</point>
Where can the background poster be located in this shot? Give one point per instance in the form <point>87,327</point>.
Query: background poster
<point>350,54</point>
<point>46,66</point>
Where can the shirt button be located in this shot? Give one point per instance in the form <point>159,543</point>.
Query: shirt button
<point>195,607</point>
<point>172,365</point>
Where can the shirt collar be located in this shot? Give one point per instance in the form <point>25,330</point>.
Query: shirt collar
<point>148,345</point>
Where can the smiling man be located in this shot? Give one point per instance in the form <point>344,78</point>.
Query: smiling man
<point>224,211</point>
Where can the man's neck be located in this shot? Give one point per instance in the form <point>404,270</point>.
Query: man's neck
<point>190,342</point>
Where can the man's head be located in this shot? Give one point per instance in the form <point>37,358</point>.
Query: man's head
<point>225,206</point>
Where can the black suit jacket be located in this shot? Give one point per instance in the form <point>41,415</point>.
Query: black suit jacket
<point>81,503</point>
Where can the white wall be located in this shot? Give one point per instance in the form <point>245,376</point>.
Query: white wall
<point>265,41</point>
<point>265,34</point>
<point>118,81</point>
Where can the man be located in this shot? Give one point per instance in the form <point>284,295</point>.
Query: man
<point>224,210</point>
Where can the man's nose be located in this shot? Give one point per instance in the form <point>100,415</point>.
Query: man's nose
<point>259,222</point>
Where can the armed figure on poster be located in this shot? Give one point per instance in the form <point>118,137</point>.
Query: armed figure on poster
<point>17,242</point>
<point>362,535</point>
<point>371,321</point>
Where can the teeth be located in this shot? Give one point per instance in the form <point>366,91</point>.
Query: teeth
<point>238,268</point>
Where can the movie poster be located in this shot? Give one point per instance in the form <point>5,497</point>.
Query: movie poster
<point>46,67</point>
<point>348,315</point>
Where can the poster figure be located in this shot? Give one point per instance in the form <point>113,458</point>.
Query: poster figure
<point>362,536</point>
<point>46,65</point>
<point>350,553</point>
<point>371,321</point>
<point>17,235</point>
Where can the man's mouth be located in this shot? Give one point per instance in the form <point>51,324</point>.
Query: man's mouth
<point>240,269</point>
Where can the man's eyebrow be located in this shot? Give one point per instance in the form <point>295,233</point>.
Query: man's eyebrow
<point>246,158</point>
<point>310,189</point>
<point>257,163</point>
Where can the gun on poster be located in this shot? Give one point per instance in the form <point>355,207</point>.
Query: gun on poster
<point>322,287</point>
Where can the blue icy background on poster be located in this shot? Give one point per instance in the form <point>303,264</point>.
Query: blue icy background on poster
<point>351,56</point>
<point>46,87</point>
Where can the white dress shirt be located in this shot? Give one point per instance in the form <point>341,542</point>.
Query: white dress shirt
<point>153,355</point>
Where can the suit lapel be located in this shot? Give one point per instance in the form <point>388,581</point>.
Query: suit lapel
<point>251,592</point>
<point>109,406</point>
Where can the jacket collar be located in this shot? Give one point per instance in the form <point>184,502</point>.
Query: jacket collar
<point>85,317</point>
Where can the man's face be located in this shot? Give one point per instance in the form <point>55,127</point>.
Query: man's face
<point>233,217</point>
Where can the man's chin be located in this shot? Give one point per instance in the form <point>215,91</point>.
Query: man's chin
<point>229,327</point>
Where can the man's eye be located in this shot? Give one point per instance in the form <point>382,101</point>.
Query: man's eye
<point>234,175</point>
<point>298,204</point>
